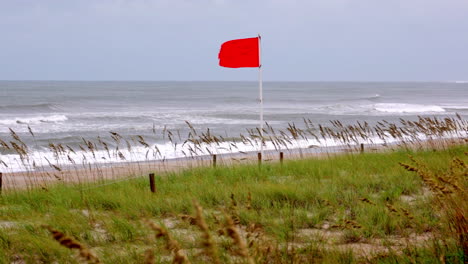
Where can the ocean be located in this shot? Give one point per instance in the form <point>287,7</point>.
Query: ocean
<point>68,111</point>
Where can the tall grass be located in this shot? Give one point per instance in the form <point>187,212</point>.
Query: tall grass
<point>116,156</point>
<point>449,188</point>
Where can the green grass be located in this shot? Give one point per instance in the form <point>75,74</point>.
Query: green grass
<point>288,200</point>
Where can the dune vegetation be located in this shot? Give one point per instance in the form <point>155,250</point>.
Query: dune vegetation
<point>401,206</point>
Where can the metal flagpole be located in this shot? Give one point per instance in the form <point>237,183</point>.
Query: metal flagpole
<point>260,86</point>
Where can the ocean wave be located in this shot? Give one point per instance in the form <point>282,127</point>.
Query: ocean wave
<point>31,107</point>
<point>456,107</point>
<point>380,109</point>
<point>407,108</point>
<point>163,151</point>
<point>373,97</point>
<point>34,120</point>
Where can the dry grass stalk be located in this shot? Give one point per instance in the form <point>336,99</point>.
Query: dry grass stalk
<point>450,197</point>
<point>427,177</point>
<point>391,208</point>
<point>365,200</point>
<point>4,144</point>
<point>234,233</point>
<point>171,244</point>
<point>149,257</point>
<point>233,210</point>
<point>407,214</point>
<point>233,206</point>
<point>188,218</point>
<point>209,245</point>
<point>249,201</point>
<point>350,224</point>
<point>260,247</point>
<point>70,243</point>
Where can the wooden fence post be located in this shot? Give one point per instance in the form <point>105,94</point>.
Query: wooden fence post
<point>152,183</point>
<point>259,156</point>
<point>214,161</point>
<point>281,158</point>
<point>362,148</point>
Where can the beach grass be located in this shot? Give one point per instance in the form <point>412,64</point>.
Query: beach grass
<point>349,208</point>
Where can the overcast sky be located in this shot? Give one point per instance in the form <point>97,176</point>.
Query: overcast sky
<point>303,40</point>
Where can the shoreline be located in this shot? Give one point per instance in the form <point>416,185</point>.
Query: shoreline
<point>99,172</point>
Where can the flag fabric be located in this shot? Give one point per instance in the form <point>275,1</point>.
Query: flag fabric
<point>240,53</point>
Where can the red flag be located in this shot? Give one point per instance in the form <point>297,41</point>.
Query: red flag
<point>240,53</point>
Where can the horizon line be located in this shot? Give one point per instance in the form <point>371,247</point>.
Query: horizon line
<point>271,81</point>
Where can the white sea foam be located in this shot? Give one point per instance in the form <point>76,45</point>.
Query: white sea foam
<point>407,108</point>
<point>139,154</point>
<point>34,120</point>
<point>379,109</point>
<point>456,107</point>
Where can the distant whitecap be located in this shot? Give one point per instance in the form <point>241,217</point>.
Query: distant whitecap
<point>407,108</point>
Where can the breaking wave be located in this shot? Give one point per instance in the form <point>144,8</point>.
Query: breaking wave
<point>31,107</point>
<point>34,120</point>
<point>407,108</point>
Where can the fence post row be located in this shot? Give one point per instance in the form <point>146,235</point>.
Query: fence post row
<point>152,183</point>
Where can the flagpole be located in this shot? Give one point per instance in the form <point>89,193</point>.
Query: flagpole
<point>260,87</point>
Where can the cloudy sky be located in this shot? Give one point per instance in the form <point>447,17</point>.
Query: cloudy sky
<point>303,40</point>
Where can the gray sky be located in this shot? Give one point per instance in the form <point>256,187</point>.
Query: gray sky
<point>303,40</point>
